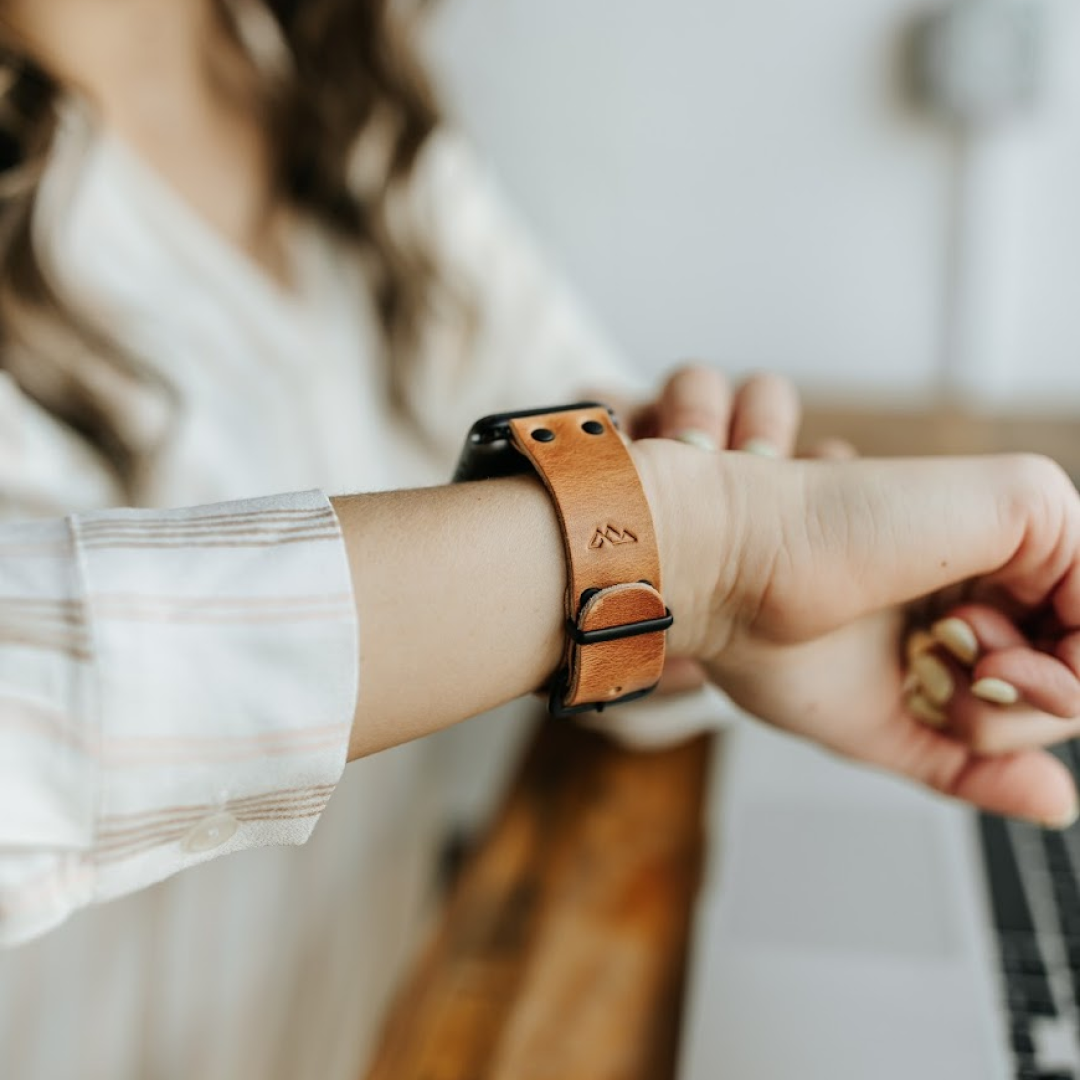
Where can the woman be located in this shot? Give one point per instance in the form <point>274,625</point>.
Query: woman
<point>242,256</point>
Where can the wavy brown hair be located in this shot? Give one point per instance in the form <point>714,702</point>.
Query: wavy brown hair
<point>348,108</point>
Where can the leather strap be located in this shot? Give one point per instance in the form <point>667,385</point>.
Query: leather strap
<point>615,612</point>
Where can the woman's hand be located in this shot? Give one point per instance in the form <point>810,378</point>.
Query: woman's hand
<point>809,566</point>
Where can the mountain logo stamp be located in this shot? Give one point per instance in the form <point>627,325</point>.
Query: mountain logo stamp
<point>611,535</point>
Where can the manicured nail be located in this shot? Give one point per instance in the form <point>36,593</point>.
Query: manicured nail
<point>956,636</point>
<point>997,691</point>
<point>701,439</point>
<point>922,708</point>
<point>937,681</point>
<point>918,642</point>
<point>761,447</point>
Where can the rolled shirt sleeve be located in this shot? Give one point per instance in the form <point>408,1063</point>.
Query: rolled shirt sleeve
<point>174,685</point>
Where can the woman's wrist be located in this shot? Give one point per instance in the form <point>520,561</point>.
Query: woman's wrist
<point>460,590</point>
<point>697,507</point>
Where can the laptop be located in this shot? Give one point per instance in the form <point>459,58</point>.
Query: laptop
<point>853,927</point>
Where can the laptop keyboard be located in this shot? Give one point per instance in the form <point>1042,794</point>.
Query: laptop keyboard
<point>1034,880</point>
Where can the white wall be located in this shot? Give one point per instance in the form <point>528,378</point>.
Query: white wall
<point>742,181</point>
<point>1046,350</point>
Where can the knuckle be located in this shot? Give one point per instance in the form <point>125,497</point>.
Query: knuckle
<point>1035,488</point>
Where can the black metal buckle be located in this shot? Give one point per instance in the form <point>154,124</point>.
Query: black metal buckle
<point>617,633</point>
<point>560,684</point>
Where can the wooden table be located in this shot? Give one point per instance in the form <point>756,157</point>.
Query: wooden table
<point>561,950</point>
<point>560,953</point>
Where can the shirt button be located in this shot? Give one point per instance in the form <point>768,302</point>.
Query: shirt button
<point>210,833</point>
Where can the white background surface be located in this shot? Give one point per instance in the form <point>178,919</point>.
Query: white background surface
<point>746,182</point>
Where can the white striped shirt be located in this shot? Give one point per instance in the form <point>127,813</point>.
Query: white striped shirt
<point>130,750</point>
<point>176,685</point>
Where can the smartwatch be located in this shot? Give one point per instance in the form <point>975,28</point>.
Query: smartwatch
<point>615,614</point>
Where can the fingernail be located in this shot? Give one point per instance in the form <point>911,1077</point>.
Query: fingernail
<point>761,447</point>
<point>937,682</point>
<point>997,691</point>
<point>701,439</point>
<point>956,636</point>
<point>918,642</point>
<point>925,710</point>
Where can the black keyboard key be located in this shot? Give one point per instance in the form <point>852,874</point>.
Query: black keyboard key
<point>1057,854</point>
<point>1019,949</point>
<point>1072,950</point>
<point>1035,988</point>
<point>1031,967</point>
<point>1009,902</point>
<point>1021,1041</point>
<point>1027,990</point>
<point>1041,1006</point>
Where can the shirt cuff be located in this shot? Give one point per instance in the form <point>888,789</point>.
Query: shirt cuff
<point>218,684</point>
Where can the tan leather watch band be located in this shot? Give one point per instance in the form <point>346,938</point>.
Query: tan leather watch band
<point>616,616</point>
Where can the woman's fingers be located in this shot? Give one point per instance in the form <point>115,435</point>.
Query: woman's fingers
<point>1005,667</point>
<point>1028,784</point>
<point>997,728</point>
<point>765,418</point>
<point>990,729</point>
<point>975,675</point>
<point>1022,673</point>
<point>695,406</point>
<point>968,630</point>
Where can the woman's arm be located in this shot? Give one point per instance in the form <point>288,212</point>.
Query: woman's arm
<point>785,578</point>
<point>175,685</point>
<point>459,593</point>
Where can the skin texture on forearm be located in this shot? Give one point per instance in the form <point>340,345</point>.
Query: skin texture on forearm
<point>460,598</point>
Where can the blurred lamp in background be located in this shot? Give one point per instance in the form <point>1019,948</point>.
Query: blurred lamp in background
<point>979,61</point>
<point>981,67</point>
